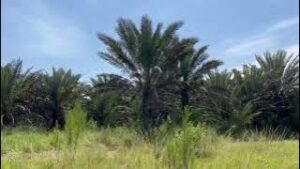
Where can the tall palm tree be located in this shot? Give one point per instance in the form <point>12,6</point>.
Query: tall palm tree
<point>14,84</point>
<point>141,53</point>
<point>193,66</point>
<point>61,88</point>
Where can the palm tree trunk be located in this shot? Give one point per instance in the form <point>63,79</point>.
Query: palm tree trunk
<point>52,121</point>
<point>7,118</point>
<point>146,107</point>
<point>54,115</point>
<point>61,118</point>
<point>184,98</point>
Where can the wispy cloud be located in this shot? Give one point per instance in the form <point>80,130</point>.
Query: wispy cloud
<point>265,40</point>
<point>249,46</point>
<point>292,49</point>
<point>284,24</point>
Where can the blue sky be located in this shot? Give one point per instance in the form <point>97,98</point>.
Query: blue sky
<point>62,33</point>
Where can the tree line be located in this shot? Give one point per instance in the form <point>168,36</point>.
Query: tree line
<point>167,74</point>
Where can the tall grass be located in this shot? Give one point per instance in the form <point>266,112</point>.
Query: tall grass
<point>75,124</point>
<point>189,143</point>
<point>107,148</point>
<point>82,146</point>
<point>265,134</point>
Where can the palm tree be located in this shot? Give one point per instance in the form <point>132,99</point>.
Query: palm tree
<point>249,85</point>
<point>111,82</point>
<point>141,53</point>
<point>14,84</point>
<point>290,89</point>
<point>290,75</point>
<point>273,66</point>
<point>272,98</point>
<point>224,101</point>
<point>61,88</point>
<point>110,99</point>
<point>215,100</point>
<point>193,66</point>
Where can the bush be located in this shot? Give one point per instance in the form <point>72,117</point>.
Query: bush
<point>190,143</point>
<point>75,124</point>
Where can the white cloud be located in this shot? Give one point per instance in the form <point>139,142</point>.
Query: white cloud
<point>292,49</point>
<point>284,24</point>
<point>251,46</point>
<point>260,42</point>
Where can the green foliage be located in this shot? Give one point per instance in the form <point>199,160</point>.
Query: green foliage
<point>121,137</point>
<point>93,153</point>
<point>256,108</point>
<point>75,124</point>
<point>62,91</point>
<point>266,134</point>
<point>290,75</point>
<point>253,97</point>
<point>57,140</point>
<point>110,100</point>
<point>192,68</point>
<point>143,54</point>
<point>189,143</point>
<point>61,87</point>
<point>31,141</point>
<point>14,85</point>
<point>166,73</point>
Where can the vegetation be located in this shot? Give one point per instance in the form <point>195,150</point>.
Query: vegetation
<point>173,111</point>
<point>119,147</point>
<point>14,85</point>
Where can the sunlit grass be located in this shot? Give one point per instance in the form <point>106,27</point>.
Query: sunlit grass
<point>119,148</point>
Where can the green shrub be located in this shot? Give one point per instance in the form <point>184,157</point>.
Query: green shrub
<point>75,124</point>
<point>190,143</point>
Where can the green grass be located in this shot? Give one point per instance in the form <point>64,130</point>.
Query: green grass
<point>122,148</point>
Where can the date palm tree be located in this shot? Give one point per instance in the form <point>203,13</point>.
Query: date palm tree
<point>141,53</point>
<point>111,98</point>
<point>14,84</point>
<point>61,87</point>
<point>193,66</point>
<point>290,75</point>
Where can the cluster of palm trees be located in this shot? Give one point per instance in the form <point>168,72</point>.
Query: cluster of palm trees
<point>36,98</point>
<point>166,74</point>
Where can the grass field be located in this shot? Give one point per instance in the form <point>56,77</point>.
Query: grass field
<point>121,148</point>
